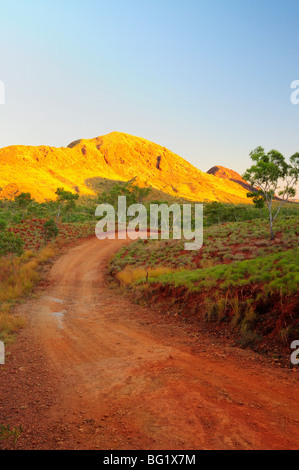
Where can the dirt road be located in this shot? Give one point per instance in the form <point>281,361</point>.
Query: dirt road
<point>93,370</point>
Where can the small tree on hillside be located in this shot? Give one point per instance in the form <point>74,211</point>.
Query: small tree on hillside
<point>141,193</point>
<point>64,197</point>
<point>258,200</point>
<point>50,230</point>
<point>23,200</point>
<point>215,211</point>
<point>271,173</point>
<point>70,207</point>
<point>133,194</point>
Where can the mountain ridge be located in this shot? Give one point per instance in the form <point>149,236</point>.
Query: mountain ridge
<point>116,156</point>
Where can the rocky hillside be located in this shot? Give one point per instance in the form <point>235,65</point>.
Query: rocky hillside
<point>231,175</point>
<point>116,156</point>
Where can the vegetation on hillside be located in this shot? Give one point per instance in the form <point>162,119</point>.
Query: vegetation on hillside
<point>234,277</point>
<point>240,279</point>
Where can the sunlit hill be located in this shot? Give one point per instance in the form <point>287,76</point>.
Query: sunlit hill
<point>116,156</point>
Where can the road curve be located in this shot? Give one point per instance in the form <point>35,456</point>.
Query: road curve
<point>125,379</point>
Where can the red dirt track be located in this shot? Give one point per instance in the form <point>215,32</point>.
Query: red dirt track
<point>94,371</point>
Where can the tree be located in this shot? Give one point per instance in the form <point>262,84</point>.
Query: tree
<point>70,207</point>
<point>141,193</point>
<point>258,200</point>
<point>50,229</point>
<point>23,200</point>
<point>271,173</point>
<point>133,194</point>
<point>62,198</point>
<point>215,211</point>
<point>235,213</point>
<point>10,244</point>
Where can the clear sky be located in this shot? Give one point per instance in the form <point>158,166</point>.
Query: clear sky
<point>209,79</point>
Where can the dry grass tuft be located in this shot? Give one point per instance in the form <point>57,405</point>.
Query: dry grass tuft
<point>16,279</point>
<point>9,325</point>
<point>130,275</point>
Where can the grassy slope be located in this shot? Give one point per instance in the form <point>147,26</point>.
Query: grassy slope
<point>239,278</point>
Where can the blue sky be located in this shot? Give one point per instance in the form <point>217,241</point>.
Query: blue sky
<point>210,80</point>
